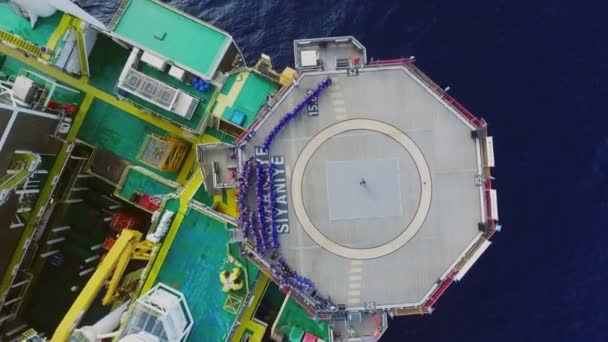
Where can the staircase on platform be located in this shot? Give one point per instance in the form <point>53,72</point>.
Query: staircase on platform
<point>20,43</point>
<point>24,163</point>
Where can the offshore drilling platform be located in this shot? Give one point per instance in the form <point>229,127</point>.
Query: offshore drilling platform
<point>155,187</point>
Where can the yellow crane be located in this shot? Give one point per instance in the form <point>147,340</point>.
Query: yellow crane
<point>126,248</point>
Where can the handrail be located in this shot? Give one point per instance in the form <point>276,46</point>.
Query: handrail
<point>28,163</point>
<point>477,122</point>
<point>491,221</point>
<point>448,99</point>
<point>118,14</point>
<point>9,92</point>
<point>397,61</point>
<point>445,283</point>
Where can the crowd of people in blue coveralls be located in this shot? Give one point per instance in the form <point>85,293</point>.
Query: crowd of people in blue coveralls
<point>258,223</point>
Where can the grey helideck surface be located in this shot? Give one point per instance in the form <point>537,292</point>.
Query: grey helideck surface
<point>394,97</point>
<point>394,191</point>
<point>358,189</point>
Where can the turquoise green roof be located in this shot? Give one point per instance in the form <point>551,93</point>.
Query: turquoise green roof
<point>251,97</point>
<point>172,35</point>
<point>11,22</point>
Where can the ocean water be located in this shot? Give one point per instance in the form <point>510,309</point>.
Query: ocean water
<point>536,70</point>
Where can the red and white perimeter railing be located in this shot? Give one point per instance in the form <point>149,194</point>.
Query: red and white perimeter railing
<point>439,291</point>
<point>477,249</point>
<point>387,62</point>
<point>409,64</point>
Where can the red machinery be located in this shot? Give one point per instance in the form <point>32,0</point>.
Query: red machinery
<point>69,109</point>
<point>108,243</point>
<point>125,219</point>
<point>149,202</point>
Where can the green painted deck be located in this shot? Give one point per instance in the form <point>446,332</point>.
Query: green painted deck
<point>201,195</point>
<point>251,97</point>
<point>196,258</point>
<point>137,181</point>
<point>106,63</point>
<point>294,316</point>
<point>67,95</point>
<point>12,67</point>
<point>112,129</point>
<point>172,35</point>
<point>15,24</point>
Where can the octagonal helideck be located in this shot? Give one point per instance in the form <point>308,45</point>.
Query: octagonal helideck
<point>370,191</point>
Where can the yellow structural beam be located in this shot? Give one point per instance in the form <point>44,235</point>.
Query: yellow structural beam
<point>60,30</point>
<point>83,85</point>
<point>184,198</point>
<point>78,24</point>
<point>287,76</point>
<point>248,323</point>
<point>189,162</point>
<point>143,251</point>
<point>124,245</point>
<point>119,269</point>
<point>191,186</point>
<point>80,116</point>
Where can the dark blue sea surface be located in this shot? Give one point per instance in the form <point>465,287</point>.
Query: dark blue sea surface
<point>537,71</point>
